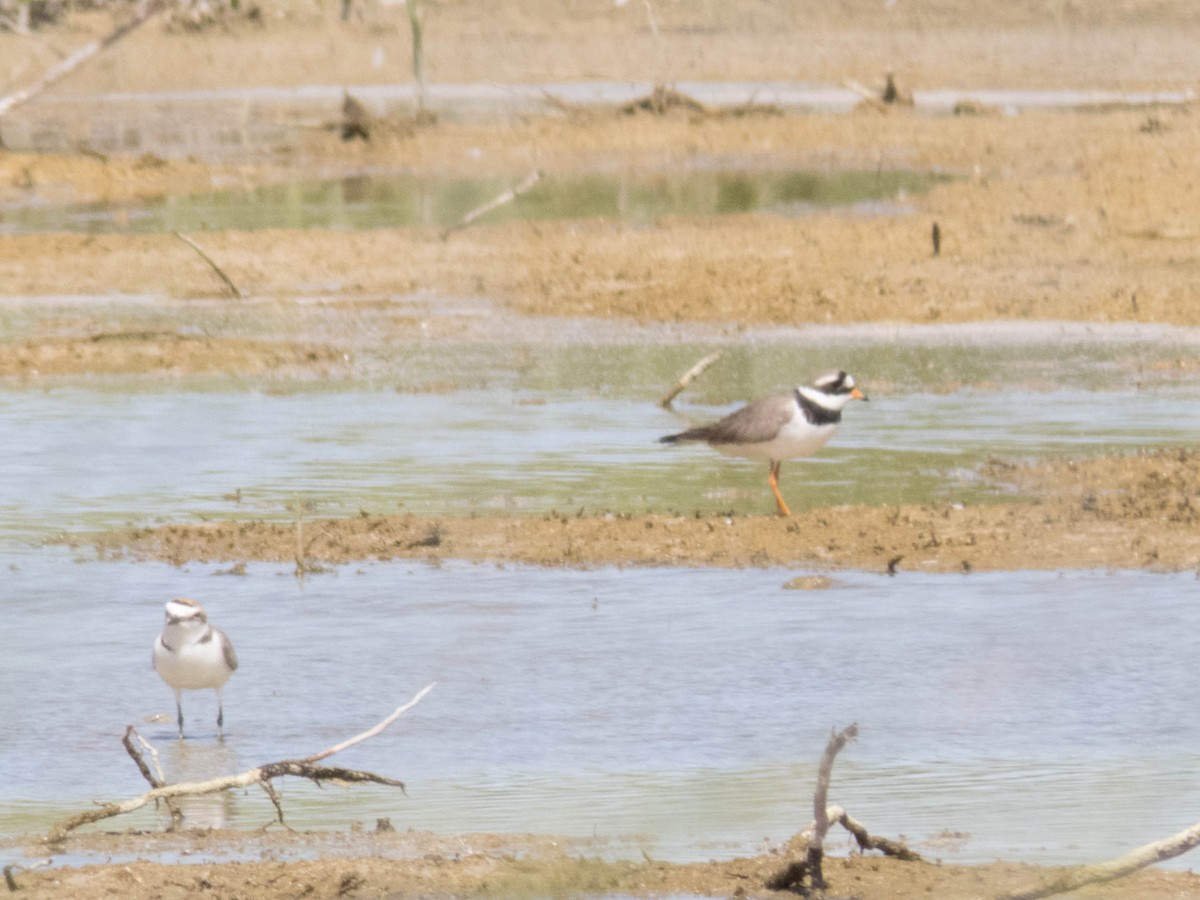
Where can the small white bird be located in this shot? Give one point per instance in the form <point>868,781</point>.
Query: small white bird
<point>191,655</point>
<point>778,428</point>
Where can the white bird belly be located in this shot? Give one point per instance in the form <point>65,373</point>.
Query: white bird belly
<point>194,666</point>
<point>797,438</point>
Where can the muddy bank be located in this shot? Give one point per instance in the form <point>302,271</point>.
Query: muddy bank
<point>1054,216</point>
<point>481,865</point>
<point>166,353</point>
<point>1137,512</point>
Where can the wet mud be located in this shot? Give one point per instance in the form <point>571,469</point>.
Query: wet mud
<point>1121,512</point>
<point>1049,215</point>
<point>417,865</point>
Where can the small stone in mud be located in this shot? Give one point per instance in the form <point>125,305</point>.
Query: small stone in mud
<point>809,583</point>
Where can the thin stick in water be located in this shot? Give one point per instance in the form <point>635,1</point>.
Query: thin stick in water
<point>507,197</point>
<point>204,256</point>
<point>688,377</point>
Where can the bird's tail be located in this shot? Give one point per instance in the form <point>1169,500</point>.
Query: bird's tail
<point>694,434</point>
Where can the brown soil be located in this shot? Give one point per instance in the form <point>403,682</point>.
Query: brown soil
<point>417,865</point>
<point>1090,216</point>
<point>124,353</point>
<point>1144,516</point>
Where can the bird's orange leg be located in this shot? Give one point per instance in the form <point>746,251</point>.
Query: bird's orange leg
<point>773,480</point>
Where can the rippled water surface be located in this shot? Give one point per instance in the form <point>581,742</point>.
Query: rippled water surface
<point>1037,716</point>
<point>568,426</point>
<point>1033,711</point>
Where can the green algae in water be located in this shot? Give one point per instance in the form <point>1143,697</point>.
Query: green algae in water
<point>385,201</point>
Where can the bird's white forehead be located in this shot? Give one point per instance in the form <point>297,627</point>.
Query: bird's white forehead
<point>844,379</point>
<point>183,608</point>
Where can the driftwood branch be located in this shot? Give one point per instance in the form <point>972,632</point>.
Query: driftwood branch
<point>208,259</point>
<point>156,778</point>
<point>13,868</point>
<point>301,768</point>
<point>688,377</point>
<point>136,755</point>
<point>370,732</point>
<point>60,70</point>
<point>793,876</point>
<point>1167,848</point>
<point>867,841</point>
<point>507,197</point>
<point>816,844</point>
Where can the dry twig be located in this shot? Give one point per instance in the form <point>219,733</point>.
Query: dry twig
<point>507,197</point>
<point>1167,848</point>
<point>11,882</point>
<point>300,768</point>
<point>156,779</point>
<point>80,56</point>
<point>816,844</point>
<point>688,377</point>
<point>792,877</point>
<point>208,259</point>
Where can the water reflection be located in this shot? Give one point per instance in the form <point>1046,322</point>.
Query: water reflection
<point>117,458</point>
<point>201,759</point>
<point>379,201</point>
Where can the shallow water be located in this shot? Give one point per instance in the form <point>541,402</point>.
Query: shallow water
<point>388,200</point>
<point>1047,715</point>
<point>681,710</point>
<point>562,423</point>
<point>121,457</point>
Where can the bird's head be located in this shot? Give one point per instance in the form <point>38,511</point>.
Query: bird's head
<point>833,390</point>
<point>184,611</point>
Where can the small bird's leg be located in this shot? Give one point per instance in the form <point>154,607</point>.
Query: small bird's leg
<point>773,480</point>
<point>220,717</point>
<point>179,713</point>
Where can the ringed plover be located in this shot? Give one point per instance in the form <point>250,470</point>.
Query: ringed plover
<point>777,428</point>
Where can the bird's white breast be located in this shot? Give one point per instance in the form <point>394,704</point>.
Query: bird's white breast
<point>797,438</point>
<point>193,665</point>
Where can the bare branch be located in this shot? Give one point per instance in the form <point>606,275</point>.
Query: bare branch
<point>155,780</point>
<point>17,867</point>
<point>208,259</point>
<point>816,844</point>
<point>867,841</point>
<point>1167,848</point>
<point>301,768</point>
<point>507,197</point>
<point>273,794</point>
<point>688,377</point>
<point>371,732</point>
<point>138,759</point>
<point>80,56</point>
<point>793,876</point>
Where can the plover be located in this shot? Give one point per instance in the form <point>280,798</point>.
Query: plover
<point>778,428</point>
<point>192,655</point>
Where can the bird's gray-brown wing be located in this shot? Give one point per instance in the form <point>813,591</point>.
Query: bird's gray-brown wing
<point>227,649</point>
<point>753,424</point>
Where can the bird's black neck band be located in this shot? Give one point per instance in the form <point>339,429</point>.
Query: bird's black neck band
<point>815,413</point>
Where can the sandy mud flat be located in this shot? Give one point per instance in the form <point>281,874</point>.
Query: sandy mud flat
<point>1057,214</point>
